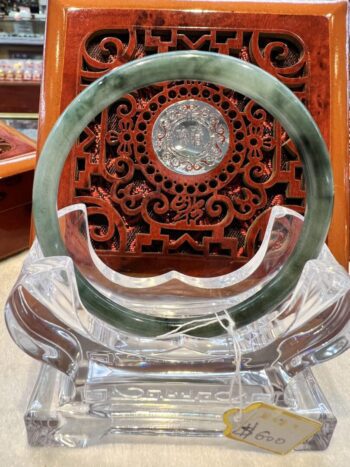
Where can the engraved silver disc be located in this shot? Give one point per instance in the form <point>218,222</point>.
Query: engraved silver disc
<point>190,137</point>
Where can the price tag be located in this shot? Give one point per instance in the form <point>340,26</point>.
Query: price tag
<point>269,427</point>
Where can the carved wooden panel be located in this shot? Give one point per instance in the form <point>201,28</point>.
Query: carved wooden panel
<point>138,206</point>
<point>139,209</point>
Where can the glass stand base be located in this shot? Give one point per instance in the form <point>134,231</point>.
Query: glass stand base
<point>105,404</point>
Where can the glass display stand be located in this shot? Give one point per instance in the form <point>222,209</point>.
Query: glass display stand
<point>105,409</point>
<point>99,384</point>
<point>137,353</point>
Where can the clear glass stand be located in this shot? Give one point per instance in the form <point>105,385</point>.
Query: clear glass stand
<point>99,384</point>
<point>125,406</point>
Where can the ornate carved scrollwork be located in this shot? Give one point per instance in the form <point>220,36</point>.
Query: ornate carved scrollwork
<point>141,203</point>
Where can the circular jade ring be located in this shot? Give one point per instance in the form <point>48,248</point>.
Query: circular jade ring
<point>220,70</point>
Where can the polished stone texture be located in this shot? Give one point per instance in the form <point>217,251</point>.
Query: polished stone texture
<point>225,71</point>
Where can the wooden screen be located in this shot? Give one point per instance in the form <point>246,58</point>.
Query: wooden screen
<point>144,216</point>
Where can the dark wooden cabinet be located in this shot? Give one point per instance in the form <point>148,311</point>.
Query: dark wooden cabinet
<point>17,159</point>
<point>19,97</point>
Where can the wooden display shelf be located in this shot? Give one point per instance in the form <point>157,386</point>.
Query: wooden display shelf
<point>19,96</point>
<point>17,161</point>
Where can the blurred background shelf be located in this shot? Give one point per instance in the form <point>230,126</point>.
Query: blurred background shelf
<point>22,31</point>
<point>23,41</point>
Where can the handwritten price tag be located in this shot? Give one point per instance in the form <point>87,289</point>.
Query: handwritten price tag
<point>269,427</point>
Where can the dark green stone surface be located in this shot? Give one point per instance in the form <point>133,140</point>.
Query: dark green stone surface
<point>225,71</point>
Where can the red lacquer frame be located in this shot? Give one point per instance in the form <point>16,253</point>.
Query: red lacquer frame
<point>320,27</point>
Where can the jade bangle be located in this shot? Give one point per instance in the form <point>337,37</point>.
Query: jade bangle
<point>224,71</point>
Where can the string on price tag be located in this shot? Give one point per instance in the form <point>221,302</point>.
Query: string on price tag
<point>269,427</point>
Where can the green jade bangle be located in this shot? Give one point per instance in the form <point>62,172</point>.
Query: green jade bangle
<point>225,71</point>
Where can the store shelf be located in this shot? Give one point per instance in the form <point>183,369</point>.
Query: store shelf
<point>28,32</point>
<point>9,40</point>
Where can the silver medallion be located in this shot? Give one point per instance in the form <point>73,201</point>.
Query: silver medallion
<point>190,137</point>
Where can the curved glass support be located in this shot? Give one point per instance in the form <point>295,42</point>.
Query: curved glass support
<point>46,317</point>
<point>225,71</point>
<point>175,294</point>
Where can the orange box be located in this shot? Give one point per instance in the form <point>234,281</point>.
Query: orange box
<point>302,44</point>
